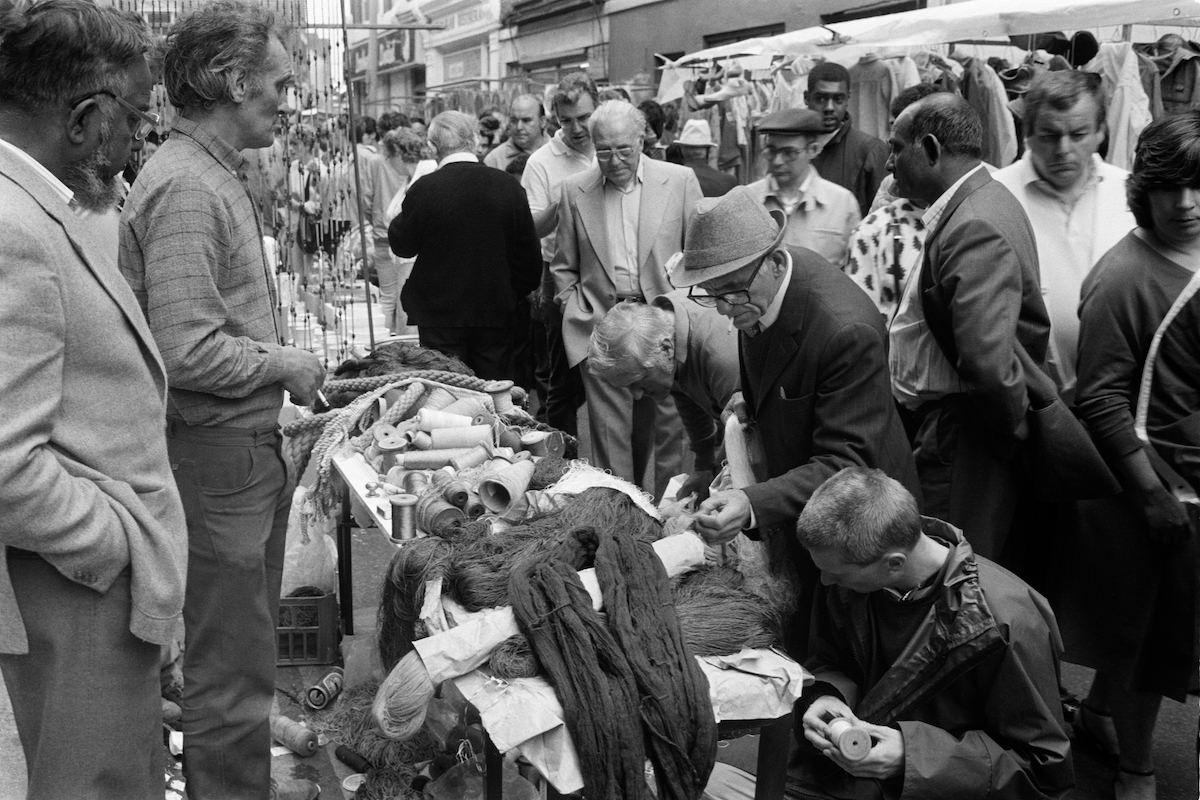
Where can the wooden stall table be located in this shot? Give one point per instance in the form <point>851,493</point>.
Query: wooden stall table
<point>537,706</point>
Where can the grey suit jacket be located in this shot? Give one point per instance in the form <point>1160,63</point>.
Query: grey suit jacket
<point>84,476</point>
<point>583,264</point>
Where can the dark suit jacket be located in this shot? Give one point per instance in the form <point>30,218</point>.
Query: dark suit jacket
<point>817,385</point>
<point>981,293</point>
<point>713,182</point>
<point>477,252</point>
<point>854,160</point>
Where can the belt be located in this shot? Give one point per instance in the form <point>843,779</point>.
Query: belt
<point>223,434</point>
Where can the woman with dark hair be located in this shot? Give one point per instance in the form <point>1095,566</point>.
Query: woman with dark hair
<point>1131,611</point>
<point>652,137</point>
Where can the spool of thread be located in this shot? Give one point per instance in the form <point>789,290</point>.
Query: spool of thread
<point>447,438</point>
<point>544,443</point>
<point>325,690</point>
<point>503,486</point>
<point>484,418</point>
<point>501,393</point>
<point>469,406</point>
<point>419,440</point>
<point>352,759</point>
<point>851,740</point>
<point>433,514</point>
<point>404,517</point>
<point>456,493</point>
<point>441,476</point>
<point>474,507</point>
<point>388,439</point>
<point>428,419</point>
<point>510,437</point>
<point>437,398</point>
<point>428,459</point>
<point>472,458</point>
<point>294,736</point>
<point>415,481</point>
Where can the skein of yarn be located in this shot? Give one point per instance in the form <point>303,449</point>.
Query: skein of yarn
<point>402,700</point>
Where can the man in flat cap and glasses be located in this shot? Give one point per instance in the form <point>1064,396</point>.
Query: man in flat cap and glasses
<point>814,378</point>
<point>820,214</point>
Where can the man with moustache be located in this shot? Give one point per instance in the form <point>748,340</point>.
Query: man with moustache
<point>526,132</point>
<point>191,247</point>
<point>92,578</point>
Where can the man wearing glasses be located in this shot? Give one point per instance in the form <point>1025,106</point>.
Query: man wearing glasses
<point>93,543</point>
<point>618,224</point>
<point>814,377</point>
<point>820,214</point>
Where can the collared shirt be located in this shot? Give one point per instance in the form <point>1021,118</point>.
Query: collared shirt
<point>52,180</point>
<point>821,218</point>
<point>191,248</point>
<point>1073,231</point>
<point>622,206</point>
<point>772,312</point>
<point>505,153</point>
<point>461,157</point>
<point>920,370</point>
<point>545,171</point>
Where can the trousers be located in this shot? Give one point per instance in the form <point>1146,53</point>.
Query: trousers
<point>86,696</point>
<point>236,495</point>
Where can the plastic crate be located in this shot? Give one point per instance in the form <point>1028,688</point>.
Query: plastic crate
<point>307,630</point>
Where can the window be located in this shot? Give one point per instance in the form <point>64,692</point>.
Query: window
<point>728,37</point>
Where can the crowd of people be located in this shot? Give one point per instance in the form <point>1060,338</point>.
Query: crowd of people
<point>881,318</point>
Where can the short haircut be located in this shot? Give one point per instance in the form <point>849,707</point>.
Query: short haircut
<point>390,120</point>
<point>628,331</point>
<point>54,52</point>
<point>828,71</point>
<point>1167,157</point>
<point>223,38</point>
<point>951,120</point>
<point>655,116</point>
<point>617,110</point>
<point>453,132</point>
<point>861,514</point>
<point>906,97</point>
<point>405,143</point>
<point>573,86</point>
<point>363,126</point>
<point>1060,90</point>
<point>614,93</point>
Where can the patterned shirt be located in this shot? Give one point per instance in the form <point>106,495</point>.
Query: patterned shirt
<point>191,248</point>
<point>884,249</point>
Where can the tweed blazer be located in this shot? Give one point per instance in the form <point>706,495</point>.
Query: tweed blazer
<point>84,476</point>
<point>583,262</point>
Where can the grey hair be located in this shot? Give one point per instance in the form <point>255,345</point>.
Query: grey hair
<point>222,39</point>
<point>611,111</point>
<point>56,51</point>
<point>860,513</point>
<point>453,132</point>
<point>628,330</point>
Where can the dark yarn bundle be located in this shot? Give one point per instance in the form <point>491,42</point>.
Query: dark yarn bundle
<point>719,617</point>
<point>590,673</point>
<point>403,593</point>
<point>388,359</point>
<point>478,574</point>
<point>547,472</point>
<point>677,714</point>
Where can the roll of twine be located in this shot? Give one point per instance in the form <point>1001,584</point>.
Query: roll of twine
<point>472,458</point>
<point>852,741</point>
<point>514,659</point>
<point>456,493</point>
<point>324,691</point>
<point>501,393</point>
<point>294,736</point>
<point>404,517</point>
<point>352,758</point>
<point>469,436</point>
<point>415,482</point>
<point>434,515</point>
<point>428,420</point>
<point>474,507</point>
<point>428,459</point>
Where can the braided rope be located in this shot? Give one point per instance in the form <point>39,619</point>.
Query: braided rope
<point>413,391</point>
<point>440,376</point>
<point>337,430</point>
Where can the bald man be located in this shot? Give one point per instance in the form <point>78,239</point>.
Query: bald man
<point>526,132</point>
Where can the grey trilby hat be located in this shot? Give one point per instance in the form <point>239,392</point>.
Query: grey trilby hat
<point>725,234</point>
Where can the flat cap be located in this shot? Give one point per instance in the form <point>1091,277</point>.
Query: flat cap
<point>792,122</point>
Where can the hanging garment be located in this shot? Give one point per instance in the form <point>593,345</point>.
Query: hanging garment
<point>1180,87</point>
<point>1151,84</point>
<point>984,90</point>
<point>1128,107</point>
<point>870,96</point>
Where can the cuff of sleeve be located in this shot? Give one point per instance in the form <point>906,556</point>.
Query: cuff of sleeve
<point>811,693</point>
<point>274,362</point>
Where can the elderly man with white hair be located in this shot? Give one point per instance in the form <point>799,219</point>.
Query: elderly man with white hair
<point>618,223</point>
<point>673,347</point>
<point>470,229</point>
